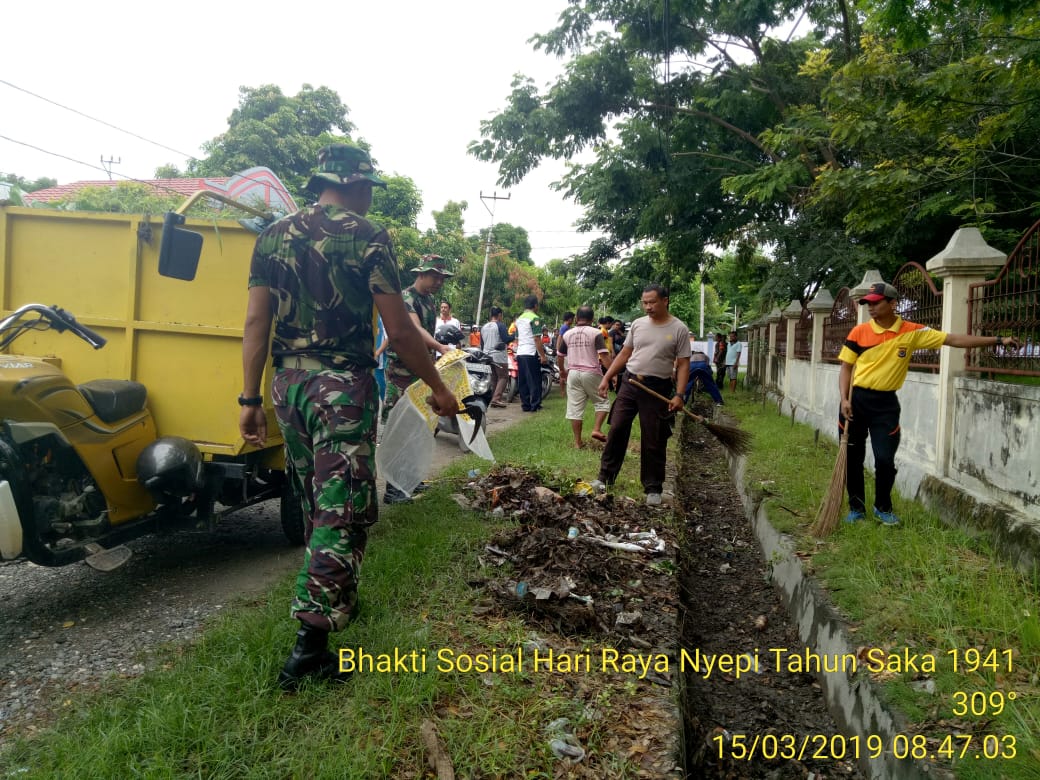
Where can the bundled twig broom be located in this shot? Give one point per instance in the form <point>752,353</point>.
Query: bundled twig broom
<point>735,440</point>
<point>830,509</point>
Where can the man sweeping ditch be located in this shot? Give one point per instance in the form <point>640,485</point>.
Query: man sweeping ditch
<point>657,345</point>
<point>877,354</point>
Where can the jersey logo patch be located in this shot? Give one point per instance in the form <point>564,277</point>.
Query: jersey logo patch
<point>902,352</point>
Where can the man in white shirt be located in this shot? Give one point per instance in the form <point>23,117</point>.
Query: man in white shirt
<point>445,319</point>
<point>733,360</point>
<point>530,355</point>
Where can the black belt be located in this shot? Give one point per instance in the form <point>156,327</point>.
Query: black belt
<point>653,382</point>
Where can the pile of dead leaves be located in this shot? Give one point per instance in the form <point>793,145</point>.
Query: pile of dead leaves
<point>578,563</point>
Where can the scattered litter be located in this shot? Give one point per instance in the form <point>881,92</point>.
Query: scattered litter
<point>584,489</point>
<point>562,741</point>
<point>628,620</point>
<point>462,501</point>
<point>575,564</point>
<point>924,686</point>
<point>646,542</point>
<point>544,494</point>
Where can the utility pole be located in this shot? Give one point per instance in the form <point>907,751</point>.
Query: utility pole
<point>487,248</point>
<point>701,332</point>
<point>107,165</point>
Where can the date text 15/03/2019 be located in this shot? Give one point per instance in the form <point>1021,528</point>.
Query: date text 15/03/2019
<point>837,747</point>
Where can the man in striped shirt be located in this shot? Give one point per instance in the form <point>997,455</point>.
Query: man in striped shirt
<point>585,352</point>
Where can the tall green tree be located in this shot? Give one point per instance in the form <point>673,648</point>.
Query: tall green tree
<point>514,239</point>
<point>281,132</point>
<point>397,204</point>
<point>27,185</point>
<point>836,149</point>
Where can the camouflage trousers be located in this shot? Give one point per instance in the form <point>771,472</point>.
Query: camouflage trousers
<point>327,420</point>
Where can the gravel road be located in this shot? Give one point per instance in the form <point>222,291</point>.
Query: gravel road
<point>70,627</point>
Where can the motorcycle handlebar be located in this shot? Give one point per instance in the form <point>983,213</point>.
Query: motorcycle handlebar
<point>92,337</point>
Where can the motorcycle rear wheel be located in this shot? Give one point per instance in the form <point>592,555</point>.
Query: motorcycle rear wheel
<point>547,383</point>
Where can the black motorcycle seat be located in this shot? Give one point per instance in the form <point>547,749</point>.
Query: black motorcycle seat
<point>114,399</point>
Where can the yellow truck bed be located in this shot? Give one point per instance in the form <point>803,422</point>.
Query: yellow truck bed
<point>182,340</point>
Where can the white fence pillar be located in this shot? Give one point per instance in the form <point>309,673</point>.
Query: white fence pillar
<point>966,259</point>
<point>773,318</point>
<point>790,316</point>
<point>820,306</point>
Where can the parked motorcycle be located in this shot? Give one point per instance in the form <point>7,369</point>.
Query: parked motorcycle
<point>82,467</point>
<point>478,368</point>
<point>550,372</point>
<point>513,384</point>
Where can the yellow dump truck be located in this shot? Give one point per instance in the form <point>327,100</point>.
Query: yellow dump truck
<point>120,362</point>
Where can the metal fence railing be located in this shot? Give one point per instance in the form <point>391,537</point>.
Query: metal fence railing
<point>1009,305</point>
<point>803,335</point>
<point>921,302</point>
<point>780,350</point>
<point>837,324</point>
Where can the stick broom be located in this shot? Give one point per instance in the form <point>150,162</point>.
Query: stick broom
<point>830,508</point>
<point>735,440</point>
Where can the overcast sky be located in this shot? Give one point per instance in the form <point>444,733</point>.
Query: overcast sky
<point>417,76</point>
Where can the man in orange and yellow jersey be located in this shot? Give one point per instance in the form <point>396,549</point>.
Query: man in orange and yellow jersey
<point>877,354</point>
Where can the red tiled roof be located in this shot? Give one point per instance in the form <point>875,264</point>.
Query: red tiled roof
<point>183,187</point>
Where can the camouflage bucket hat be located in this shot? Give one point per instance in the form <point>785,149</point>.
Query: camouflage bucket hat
<point>343,164</point>
<point>433,263</point>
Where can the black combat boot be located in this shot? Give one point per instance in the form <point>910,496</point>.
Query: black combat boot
<point>310,658</point>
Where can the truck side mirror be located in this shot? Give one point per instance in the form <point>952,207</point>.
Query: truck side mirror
<point>179,250</point>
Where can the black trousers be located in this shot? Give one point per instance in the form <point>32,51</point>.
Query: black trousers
<point>655,427</point>
<point>529,381</point>
<point>874,413</point>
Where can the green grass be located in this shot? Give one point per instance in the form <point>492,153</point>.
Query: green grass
<point>924,585</point>
<point>213,711</point>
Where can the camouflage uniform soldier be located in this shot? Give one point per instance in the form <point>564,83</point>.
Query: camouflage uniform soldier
<point>419,300</point>
<point>317,275</point>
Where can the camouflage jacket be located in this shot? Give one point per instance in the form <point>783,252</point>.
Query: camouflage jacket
<point>322,265</point>
<point>425,308</point>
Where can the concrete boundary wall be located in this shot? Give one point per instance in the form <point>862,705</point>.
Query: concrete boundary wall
<point>962,435</point>
<point>853,700</point>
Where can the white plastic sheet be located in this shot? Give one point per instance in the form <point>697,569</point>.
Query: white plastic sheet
<point>405,454</point>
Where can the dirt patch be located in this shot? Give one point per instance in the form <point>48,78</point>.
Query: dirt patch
<point>729,609</point>
<point>596,570</point>
<point>595,576</point>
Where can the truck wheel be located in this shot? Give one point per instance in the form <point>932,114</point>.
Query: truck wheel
<point>291,512</point>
